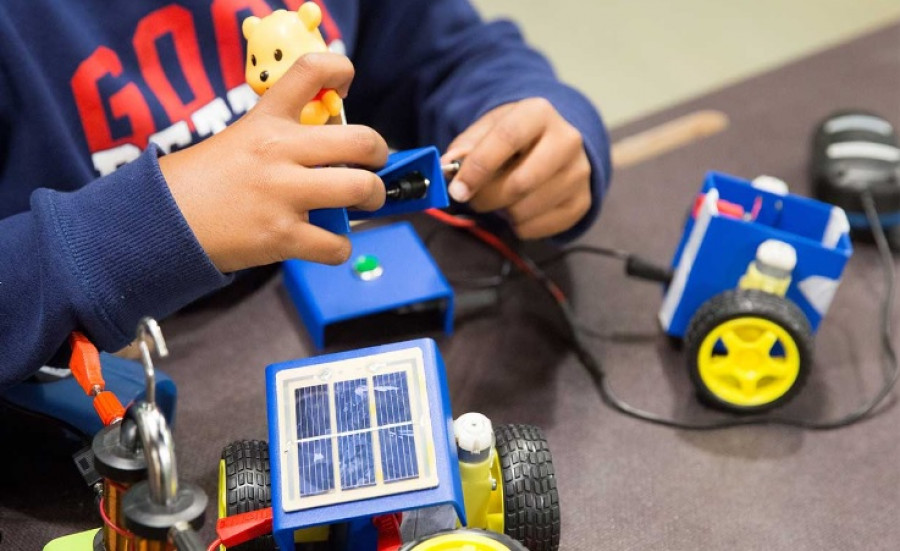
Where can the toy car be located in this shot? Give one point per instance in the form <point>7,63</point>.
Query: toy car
<point>356,437</point>
<point>754,274</point>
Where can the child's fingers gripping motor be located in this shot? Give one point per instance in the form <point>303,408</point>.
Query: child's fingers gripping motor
<point>307,77</point>
<point>522,178</point>
<point>340,145</point>
<point>554,221</point>
<point>514,132</point>
<point>317,245</point>
<point>329,188</point>
<point>566,189</point>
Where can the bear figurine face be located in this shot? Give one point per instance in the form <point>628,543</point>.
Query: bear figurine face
<point>277,40</point>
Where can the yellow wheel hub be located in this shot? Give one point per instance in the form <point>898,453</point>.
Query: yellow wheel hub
<point>739,361</point>
<point>460,542</point>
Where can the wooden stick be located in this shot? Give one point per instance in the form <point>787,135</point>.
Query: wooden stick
<point>666,137</point>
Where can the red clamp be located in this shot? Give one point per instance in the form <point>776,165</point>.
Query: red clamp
<point>238,529</point>
<point>85,366</point>
<point>388,528</point>
<point>725,208</point>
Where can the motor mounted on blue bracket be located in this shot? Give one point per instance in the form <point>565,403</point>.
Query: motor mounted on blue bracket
<point>413,182</point>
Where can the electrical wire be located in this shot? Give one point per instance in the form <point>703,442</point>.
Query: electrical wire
<point>129,536</point>
<point>595,369</point>
<point>584,249</point>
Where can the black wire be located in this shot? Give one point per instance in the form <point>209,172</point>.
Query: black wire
<point>483,282</point>
<point>598,375</point>
<point>506,275</point>
<point>586,249</point>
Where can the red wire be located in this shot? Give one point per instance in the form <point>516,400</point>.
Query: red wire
<point>450,220</point>
<point>106,520</point>
<point>498,245</point>
<point>757,206</point>
<point>213,545</point>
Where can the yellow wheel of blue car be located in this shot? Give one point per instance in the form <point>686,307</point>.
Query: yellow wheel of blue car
<point>748,350</point>
<point>465,540</point>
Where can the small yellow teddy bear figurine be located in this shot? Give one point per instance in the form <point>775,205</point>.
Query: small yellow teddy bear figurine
<point>275,42</point>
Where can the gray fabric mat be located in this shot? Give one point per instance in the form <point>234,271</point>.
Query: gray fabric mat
<point>623,484</point>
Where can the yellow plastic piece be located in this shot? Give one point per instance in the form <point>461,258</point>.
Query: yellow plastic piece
<point>82,541</point>
<point>460,541</point>
<point>223,503</point>
<point>333,102</point>
<point>313,534</point>
<point>275,42</point>
<point>748,374</point>
<point>496,508</point>
<point>314,113</point>
<point>754,279</point>
<point>484,501</point>
<point>222,491</point>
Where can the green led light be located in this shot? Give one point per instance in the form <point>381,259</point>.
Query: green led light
<point>367,267</point>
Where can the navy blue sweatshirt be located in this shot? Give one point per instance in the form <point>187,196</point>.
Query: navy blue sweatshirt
<point>92,92</point>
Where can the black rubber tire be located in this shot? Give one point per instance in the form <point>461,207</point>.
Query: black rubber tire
<point>530,497</point>
<point>748,302</point>
<point>509,542</point>
<point>248,485</point>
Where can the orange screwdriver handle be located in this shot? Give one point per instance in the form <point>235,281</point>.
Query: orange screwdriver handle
<point>85,363</point>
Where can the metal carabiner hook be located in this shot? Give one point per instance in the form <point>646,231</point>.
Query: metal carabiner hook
<point>148,330</point>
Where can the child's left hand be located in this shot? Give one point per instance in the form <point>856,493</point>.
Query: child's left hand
<point>527,160</point>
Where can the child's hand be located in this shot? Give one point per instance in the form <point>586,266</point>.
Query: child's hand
<point>246,191</point>
<point>525,158</point>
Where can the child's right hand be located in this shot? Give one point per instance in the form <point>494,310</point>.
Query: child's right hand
<point>246,192</point>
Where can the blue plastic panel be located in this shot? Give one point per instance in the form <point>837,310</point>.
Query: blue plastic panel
<point>371,458</point>
<point>333,220</point>
<point>325,295</point>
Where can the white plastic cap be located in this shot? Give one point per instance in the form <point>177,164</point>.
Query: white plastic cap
<point>474,432</point>
<point>770,184</point>
<point>777,254</point>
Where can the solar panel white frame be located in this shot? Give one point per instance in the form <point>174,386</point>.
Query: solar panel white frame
<point>409,361</point>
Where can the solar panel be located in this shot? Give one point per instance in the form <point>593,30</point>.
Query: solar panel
<point>398,455</point>
<point>356,429</point>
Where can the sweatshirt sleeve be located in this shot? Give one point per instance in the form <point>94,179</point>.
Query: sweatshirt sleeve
<point>96,260</point>
<point>427,70</point>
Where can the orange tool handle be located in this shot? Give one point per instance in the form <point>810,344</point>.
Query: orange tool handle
<point>85,363</point>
